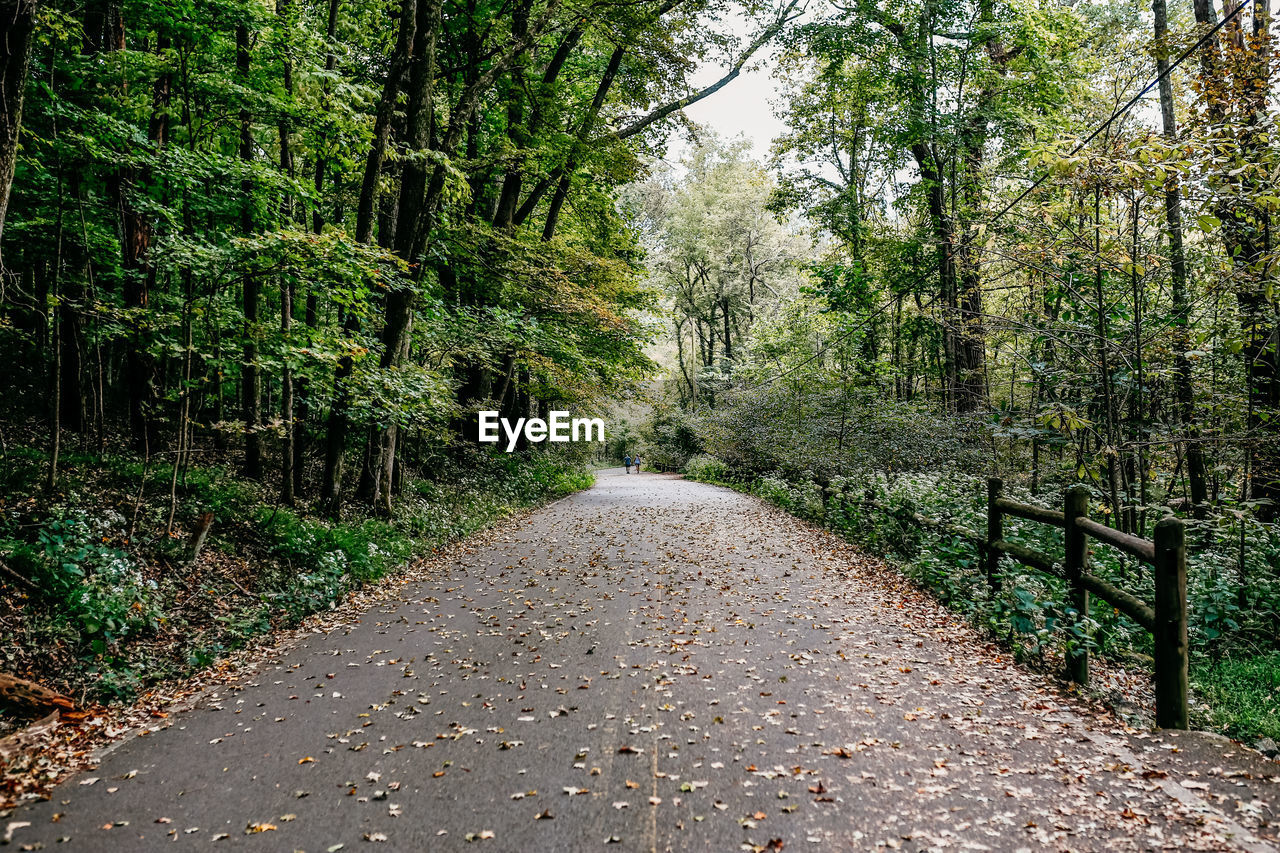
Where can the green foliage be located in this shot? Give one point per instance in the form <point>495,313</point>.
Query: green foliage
<point>114,628</point>
<point>722,259</point>
<point>217,490</point>
<point>1231,629</point>
<point>1242,695</point>
<point>803,498</point>
<point>816,423</point>
<point>707,469</point>
<point>231,229</point>
<point>96,586</point>
<point>670,441</point>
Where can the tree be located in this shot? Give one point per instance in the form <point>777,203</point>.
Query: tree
<point>17,22</point>
<point>722,257</point>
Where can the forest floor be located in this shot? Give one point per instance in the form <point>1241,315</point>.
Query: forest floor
<point>116,606</point>
<point>661,665</point>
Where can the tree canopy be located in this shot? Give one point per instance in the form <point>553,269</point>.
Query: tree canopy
<point>326,230</point>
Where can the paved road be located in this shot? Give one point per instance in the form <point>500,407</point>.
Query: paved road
<point>654,665</point>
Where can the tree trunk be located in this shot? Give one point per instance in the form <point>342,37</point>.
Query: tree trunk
<point>139,275</point>
<point>17,21</point>
<point>103,27</point>
<point>1237,84</point>
<point>417,200</point>
<point>728,339</point>
<point>1178,275</point>
<point>517,133</point>
<point>251,372</point>
<point>287,454</point>
<point>302,389</point>
<point>400,59</point>
<point>944,234</point>
<point>339,420</point>
<point>584,130</point>
<point>970,346</point>
<point>69,292</point>
<point>19,693</point>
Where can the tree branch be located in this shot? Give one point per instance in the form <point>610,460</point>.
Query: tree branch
<point>784,17</point>
<point>17,579</point>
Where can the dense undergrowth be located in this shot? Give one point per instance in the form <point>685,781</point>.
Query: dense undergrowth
<point>119,603</point>
<point>1233,580</point>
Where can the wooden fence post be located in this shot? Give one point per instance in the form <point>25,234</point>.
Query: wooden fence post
<point>995,532</point>
<point>1076,562</point>
<point>1170,635</point>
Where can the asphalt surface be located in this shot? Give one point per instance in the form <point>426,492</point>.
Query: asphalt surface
<point>653,665</point>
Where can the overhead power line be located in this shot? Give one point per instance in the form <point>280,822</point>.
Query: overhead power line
<point>1128,106</point>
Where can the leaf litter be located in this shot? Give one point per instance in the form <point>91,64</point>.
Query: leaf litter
<point>713,649</point>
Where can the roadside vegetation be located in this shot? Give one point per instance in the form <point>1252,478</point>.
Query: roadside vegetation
<point>119,603</point>
<point>1235,670</point>
<point>262,266</point>
<point>968,257</point>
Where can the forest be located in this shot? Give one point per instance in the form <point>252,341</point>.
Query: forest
<point>1022,240</point>
<point>263,262</point>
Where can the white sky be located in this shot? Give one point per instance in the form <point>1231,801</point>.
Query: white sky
<point>745,106</point>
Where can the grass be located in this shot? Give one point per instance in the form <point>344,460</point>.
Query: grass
<point>1243,695</point>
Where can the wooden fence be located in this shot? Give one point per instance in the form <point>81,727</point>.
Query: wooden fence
<point>1165,618</point>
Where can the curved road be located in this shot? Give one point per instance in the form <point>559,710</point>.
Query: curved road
<point>655,665</point>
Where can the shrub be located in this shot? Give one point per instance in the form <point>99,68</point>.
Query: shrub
<point>760,431</point>
<point>97,587</point>
<point>96,601</point>
<point>706,469</point>
<point>670,441</point>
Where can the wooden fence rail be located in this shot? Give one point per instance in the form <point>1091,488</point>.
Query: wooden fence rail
<point>1165,618</point>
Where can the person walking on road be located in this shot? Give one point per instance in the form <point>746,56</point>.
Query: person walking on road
<point>626,460</point>
<point>636,462</point>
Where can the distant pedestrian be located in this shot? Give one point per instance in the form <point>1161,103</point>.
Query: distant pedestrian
<point>626,460</point>
<point>636,462</point>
